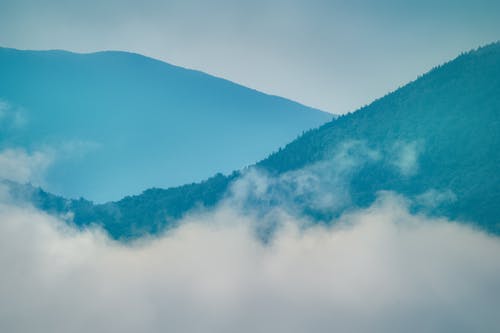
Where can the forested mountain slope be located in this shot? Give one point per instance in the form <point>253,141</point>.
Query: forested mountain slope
<point>436,141</point>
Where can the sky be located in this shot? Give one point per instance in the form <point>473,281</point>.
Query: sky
<point>380,268</point>
<point>333,55</point>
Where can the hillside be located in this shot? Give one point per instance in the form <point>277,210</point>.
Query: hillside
<point>116,123</point>
<point>436,141</point>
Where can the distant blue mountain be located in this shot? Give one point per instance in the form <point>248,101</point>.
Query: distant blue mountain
<point>435,141</point>
<point>119,123</point>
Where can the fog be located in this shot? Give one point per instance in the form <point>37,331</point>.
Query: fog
<point>379,269</point>
<point>374,269</point>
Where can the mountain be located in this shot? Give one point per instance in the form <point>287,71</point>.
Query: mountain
<point>116,123</point>
<point>436,141</point>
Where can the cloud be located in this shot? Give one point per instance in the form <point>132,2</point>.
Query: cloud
<point>41,162</point>
<point>18,165</point>
<point>434,198</point>
<point>321,186</point>
<point>323,189</point>
<point>379,269</point>
<point>404,157</point>
<point>11,117</point>
<point>76,149</point>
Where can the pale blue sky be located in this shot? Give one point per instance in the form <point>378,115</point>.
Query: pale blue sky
<point>334,55</point>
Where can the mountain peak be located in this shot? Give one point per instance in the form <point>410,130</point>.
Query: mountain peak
<point>434,141</point>
<point>115,123</point>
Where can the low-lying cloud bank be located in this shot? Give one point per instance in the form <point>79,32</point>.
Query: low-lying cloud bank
<point>379,269</point>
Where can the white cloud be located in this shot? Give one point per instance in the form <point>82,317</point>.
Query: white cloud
<point>404,157</point>
<point>16,163</point>
<point>11,116</point>
<point>378,270</point>
<point>322,186</point>
<point>20,166</point>
<point>434,198</point>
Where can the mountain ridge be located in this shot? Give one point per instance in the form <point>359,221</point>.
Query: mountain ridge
<point>139,121</point>
<point>136,54</point>
<point>448,118</point>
